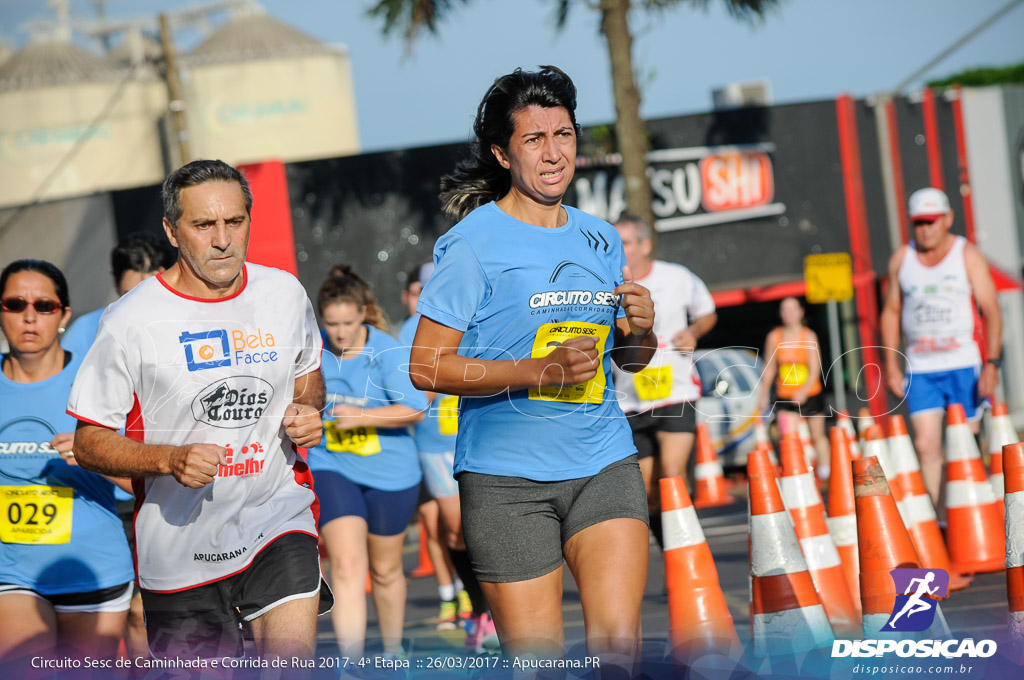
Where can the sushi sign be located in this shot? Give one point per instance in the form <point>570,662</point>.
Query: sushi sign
<point>691,187</point>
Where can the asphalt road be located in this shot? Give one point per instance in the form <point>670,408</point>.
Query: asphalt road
<point>977,612</point>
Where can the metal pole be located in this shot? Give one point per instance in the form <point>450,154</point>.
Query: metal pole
<point>176,102</point>
<point>834,341</point>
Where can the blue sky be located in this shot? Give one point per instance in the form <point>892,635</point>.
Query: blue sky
<point>808,49</point>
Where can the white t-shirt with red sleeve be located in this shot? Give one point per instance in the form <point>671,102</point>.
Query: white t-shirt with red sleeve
<point>176,370</point>
<point>670,378</point>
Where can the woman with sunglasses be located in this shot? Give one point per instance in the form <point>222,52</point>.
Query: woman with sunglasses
<point>65,568</point>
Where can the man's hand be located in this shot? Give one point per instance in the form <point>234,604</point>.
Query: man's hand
<point>573,362</point>
<point>303,425</point>
<point>894,379</point>
<point>987,381</point>
<point>684,341</point>
<point>62,444</point>
<point>636,301</point>
<point>195,465</point>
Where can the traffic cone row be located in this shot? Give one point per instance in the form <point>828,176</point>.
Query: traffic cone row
<point>924,525</point>
<point>974,533</point>
<point>787,615</point>
<point>884,545</point>
<point>801,498</point>
<point>876,445</point>
<point>1013,468</point>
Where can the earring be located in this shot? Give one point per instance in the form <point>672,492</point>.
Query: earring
<point>61,330</point>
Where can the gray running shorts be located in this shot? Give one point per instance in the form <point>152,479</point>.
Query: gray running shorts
<point>515,528</point>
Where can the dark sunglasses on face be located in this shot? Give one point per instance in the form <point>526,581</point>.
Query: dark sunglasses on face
<point>923,223</point>
<point>18,305</point>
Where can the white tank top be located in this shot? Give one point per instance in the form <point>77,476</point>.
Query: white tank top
<point>939,315</point>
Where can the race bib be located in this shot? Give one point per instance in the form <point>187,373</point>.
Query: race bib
<point>448,415</point>
<point>653,383</point>
<point>36,515</point>
<point>551,335</point>
<point>362,441</point>
<point>793,375</point>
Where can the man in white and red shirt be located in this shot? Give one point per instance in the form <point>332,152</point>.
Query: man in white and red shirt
<point>659,400</point>
<point>212,369</point>
<point>937,284</point>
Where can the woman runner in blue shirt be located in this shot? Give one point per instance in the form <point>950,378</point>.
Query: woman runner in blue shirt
<point>529,302</point>
<point>365,470</point>
<point>65,568</point>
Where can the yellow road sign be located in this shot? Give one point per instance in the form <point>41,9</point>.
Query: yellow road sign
<point>829,276</point>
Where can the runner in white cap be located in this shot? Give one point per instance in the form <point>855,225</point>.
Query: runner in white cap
<point>939,282</point>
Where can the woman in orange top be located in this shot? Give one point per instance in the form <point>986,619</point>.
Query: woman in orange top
<point>793,372</point>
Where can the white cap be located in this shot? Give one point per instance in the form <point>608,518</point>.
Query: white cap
<point>928,203</point>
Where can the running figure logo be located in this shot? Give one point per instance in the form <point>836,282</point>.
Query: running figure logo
<point>915,609</point>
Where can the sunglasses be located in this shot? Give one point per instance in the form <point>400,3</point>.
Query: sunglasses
<point>17,305</point>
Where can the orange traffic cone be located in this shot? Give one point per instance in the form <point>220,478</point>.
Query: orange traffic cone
<point>924,526</point>
<point>425,567</point>
<point>801,497</point>
<point>699,620</point>
<point>884,545</point>
<point>787,615</point>
<point>842,512</point>
<point>875,445</point>
<point>974,532</point>
<point>1000,433</point>
<point>709,475</point>
<point>843,421</point>
<point>1013,467</point>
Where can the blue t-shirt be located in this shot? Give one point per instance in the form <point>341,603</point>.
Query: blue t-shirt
<point>516,290</point>
<point>378,457</point>
<point>435,433</point>
<point>69,511</point>
<point>82,332</point>
<point>77,340</point>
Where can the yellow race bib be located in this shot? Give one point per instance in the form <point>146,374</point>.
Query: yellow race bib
<point>793,375</point>
<point>448,415</point>
<point>550,336</point>
<point>36,514</point>
<point>653,383</point>
<point>362,441</point>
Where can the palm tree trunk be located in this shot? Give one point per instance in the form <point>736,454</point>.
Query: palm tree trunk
<point>629,127</point>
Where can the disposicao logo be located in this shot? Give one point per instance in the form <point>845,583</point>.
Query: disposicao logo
<point>914,611</point>
<point>915,608</point>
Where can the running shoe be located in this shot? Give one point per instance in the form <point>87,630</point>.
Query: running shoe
<point>481,637</point>
<point>465,605</point>
<point>448,616</point>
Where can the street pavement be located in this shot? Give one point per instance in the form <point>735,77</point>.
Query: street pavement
<point>978,612</point>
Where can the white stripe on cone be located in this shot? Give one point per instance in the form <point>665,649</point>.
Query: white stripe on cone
<point>779,553</point>
<point>820,552</point>
<point>997,484</point>
<point>708,470</point>
<point>843,530</point>
<point>967,494</point>
<point>920,508</point>
<point>799,491</point>
<point>791,631</point>
<point>960,444</point>
<point>1015,529</point>
<point>680,528</point>
<point>902,456</point>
